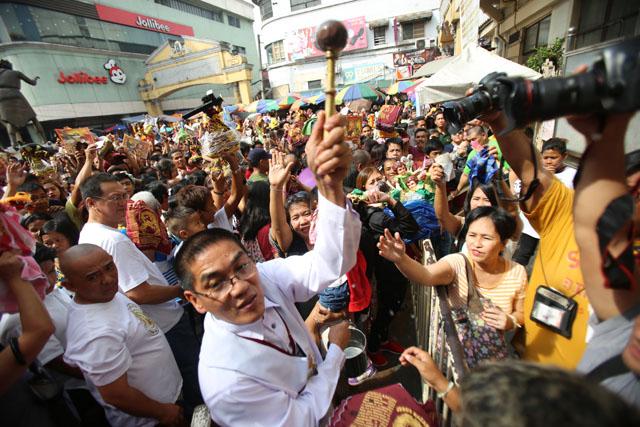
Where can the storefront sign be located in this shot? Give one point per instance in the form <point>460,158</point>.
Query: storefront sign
<point>81,78</point>
<point>301,42</point>
<point>119,16</point>
<point>115,72</point>
<point>362,73</point>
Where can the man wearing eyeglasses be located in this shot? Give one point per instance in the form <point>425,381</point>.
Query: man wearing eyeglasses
<point>259,364</point>
<point>139,278</point>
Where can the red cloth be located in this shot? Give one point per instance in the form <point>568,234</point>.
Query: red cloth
<point>387,406</point>
<point>359,285</point>
<point>263,241</point>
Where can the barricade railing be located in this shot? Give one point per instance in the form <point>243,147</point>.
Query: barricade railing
<point>435,333</point>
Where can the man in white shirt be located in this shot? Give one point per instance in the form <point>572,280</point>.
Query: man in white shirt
<point>121,352</point>
<point>258,363</point>
<point>140,279</point>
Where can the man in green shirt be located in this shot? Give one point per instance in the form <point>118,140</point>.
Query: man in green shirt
<point>259,161</point>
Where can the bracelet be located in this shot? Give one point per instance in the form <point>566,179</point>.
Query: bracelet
<point>17,354</point>
<point>276,189</point>
<point>218,193</point>
<point>442,395</point>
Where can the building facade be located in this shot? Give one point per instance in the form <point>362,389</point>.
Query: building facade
<point>90,55</point>
<point>385,42</point>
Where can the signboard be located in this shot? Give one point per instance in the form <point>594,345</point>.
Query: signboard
<point>189,71</point>
<point>119,16</point>
<point>300,43</point>
<point>362,73</point>
<point>415,58</point>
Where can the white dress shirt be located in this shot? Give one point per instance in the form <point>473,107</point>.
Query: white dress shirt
<point>245,383</point>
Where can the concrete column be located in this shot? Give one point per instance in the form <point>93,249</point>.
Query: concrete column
<point>154,107</point>
<point>245,91</point>
<point>236,92</point>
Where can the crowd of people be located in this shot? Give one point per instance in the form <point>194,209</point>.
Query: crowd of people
<point>149,271</point>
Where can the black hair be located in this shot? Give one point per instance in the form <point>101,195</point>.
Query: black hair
<point>164,166</point>
<point>158,189</point>
<point>488,189</point>
<point>557,144</point>
<point>121,176</point>
<point>61,223</point>
<point>91,187</point>
<point>256,214</point>
<point>433,144</point>
<point>425,130</point>
<point>299,197</point>
<point>175,218</point>
<point>44,253</point>
<point>503,222</point>
<point>378,154</point>
<point>30,186</point>
<point>389,141</point>
<point>38,216</point>
<point>194,246</point>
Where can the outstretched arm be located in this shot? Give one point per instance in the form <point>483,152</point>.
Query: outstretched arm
<point>602,181</point>
<point>26,79</point>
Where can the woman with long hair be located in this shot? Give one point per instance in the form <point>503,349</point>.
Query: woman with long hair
<point>256,222</point>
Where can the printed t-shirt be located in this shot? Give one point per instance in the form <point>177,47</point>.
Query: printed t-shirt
<point>557,265</point>
<point>107,340</point>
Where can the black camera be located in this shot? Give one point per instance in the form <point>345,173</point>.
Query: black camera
<point>611,85</point>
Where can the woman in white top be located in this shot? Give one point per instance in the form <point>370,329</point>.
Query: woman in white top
<point>498,279</point>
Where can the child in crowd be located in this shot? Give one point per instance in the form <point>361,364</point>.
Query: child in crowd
<point>554,154</point>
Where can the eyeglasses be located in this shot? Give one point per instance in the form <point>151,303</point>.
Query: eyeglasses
<point>221,289</point>
<point>115,197</point>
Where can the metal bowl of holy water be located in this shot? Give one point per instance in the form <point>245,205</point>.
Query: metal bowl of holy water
<point>356,354</point>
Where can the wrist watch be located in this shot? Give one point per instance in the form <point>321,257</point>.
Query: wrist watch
<point>443,394</point>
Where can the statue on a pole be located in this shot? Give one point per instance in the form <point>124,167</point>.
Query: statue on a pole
<point>15,111</point>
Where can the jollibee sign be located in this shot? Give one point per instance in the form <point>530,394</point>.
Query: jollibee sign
<point>115,74</point>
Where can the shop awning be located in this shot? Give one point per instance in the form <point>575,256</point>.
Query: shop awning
<point>414,16</point>
<point>432,67</point>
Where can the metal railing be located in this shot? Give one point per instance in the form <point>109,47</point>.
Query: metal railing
<point>436,334</point>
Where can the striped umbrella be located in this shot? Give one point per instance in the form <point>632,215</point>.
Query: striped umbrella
<point>357,91</point>
<point>414,85</point>
<point>398,87</point>
<point>262,106</point>
<point>317,99</point>
<point>299,103</point>
<point>287,101</point>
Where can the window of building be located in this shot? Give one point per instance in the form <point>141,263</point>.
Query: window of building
<point>275,52</point>
<point>535,36</point>
<point>234,21</point>
<point>314,84</point>
<point>37,24</point>
<point>303,4</point>
<point>266,9</point>
<point>413,30</point>
<point>602,20</point>
<point>240,50</point>
<point>212,13</point>
<point>379,36</point>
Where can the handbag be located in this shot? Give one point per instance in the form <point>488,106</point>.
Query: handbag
<point>479,341</point>
<point>554,310</point>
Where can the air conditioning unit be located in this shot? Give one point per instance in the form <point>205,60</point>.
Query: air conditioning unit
<point>421,44</point>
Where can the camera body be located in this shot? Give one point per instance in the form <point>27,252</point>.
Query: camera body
<point>611,85</point>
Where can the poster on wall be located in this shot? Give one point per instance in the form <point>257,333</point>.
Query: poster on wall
<point>411,61</point>
<point>300,43</point>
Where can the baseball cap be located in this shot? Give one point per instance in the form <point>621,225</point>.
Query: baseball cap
<point>257,154</point>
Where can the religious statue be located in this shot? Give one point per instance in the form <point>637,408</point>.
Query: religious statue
<point>15,111</point>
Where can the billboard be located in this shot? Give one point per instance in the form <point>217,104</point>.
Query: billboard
<point>300,43</point>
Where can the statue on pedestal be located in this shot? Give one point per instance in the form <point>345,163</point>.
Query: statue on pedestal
<point>15,111</point>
